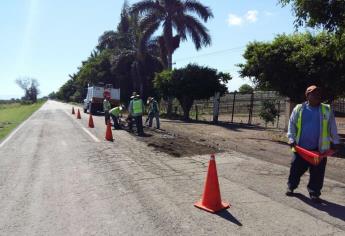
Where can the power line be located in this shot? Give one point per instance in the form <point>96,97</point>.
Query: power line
<point>211,53</point>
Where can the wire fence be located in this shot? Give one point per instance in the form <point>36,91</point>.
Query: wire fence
<point>242,108</point>
<point>245,108</point>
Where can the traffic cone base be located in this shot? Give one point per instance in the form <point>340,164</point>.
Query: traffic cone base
<point>91,125</point>
<point>211,199</point>
<point>108,133</point>
<point>222,206</point>
<point>78,114</point>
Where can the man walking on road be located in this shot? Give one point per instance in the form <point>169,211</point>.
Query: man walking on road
<point>106,108</point>
<point>312,126</point>
<point>136,110</point>
<point>153,112</point>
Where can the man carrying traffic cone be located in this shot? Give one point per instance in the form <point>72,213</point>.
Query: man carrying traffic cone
<point>211,199</point>
<point>312,126</point>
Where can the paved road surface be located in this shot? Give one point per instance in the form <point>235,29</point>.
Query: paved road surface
<point>57,177</point>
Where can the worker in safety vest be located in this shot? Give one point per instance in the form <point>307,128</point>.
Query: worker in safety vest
<point>312,126</point>
<point>115,114</point>
<point>106,108</point>
<point>153,112</point>
<point>136,110</point>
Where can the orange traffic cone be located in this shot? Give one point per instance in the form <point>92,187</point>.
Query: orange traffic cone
<point>108,133</point>
<point>73,111</point>
<point>91,125</point>
<point>78,114</point>
<point>211,200</point>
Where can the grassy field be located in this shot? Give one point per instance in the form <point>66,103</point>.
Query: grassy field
<point>11,115</point>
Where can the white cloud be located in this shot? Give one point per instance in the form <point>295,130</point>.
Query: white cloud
<point>251,16</point>
<point>234,20</point>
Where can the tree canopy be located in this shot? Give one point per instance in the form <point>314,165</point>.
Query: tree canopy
<point>326,14</point>
<point>30,87</point>
<point>190,83</point>
<point>178,15</point>
<point>245,88</point>
<point>120,58</point>
<point>290,63</point>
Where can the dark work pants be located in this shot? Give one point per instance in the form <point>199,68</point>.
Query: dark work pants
<point>317,174</point>
<point>116,121</point>
<point>138,123</point>
<point>106,117</point>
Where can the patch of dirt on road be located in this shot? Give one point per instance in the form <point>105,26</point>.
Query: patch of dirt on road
<point>176,146</point>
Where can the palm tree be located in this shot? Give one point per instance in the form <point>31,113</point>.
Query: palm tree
<point>173,15</point>
<point>107,40</point>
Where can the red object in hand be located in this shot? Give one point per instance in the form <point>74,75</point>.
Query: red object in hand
<point>313,157</point>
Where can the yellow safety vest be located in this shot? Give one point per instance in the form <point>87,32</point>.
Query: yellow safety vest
<point>324,143</point>
<point>137,106</point>
<point>115,111</point>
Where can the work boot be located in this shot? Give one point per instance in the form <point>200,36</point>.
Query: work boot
<point>289,192</point>
<point>315,199</point>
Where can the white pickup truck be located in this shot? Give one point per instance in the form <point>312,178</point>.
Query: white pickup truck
<point>95,96</point>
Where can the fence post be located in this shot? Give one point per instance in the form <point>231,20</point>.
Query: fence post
<point>196,112</point>
<point>289,106</point>
<point>216,101</point>
<point>251,108</point>
<point>278,114</point>
<point>233,107</point>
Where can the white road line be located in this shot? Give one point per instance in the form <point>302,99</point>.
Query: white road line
<point>91,135</point>
<point>85,130</point>
<point>18,128</point>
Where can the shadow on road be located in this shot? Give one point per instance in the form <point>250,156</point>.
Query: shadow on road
<point>227,216</point>
<point>333,209</point>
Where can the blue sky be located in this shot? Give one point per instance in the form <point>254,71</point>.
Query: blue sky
<point>48,39</point>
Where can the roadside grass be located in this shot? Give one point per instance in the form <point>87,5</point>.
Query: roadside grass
<point>11,115</point>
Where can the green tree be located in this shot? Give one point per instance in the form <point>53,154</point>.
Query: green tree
<point>326,14</point>
<point>67,90</point>
<point>290,63</point>
<point>30,87</point>
<point>268,112</point>
<point>246,88</point>
<point>191,83</point>
<point>121,58</point>
<point>174,15</point>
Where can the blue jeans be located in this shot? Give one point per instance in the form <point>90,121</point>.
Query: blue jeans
<point>317,174</point>
<point>154,115</point>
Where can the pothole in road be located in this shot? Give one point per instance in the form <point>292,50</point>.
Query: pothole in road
<point>176,146</point>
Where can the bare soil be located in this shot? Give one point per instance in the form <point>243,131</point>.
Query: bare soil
<point>178,139</point>
<point>174,144</point>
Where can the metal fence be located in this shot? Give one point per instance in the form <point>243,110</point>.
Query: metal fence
<point>339,106</point>
<point>236,108</point>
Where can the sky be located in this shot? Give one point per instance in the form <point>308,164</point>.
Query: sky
<point>48,39</point>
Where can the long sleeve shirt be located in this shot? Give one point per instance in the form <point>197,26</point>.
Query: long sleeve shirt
<point>292,129</point>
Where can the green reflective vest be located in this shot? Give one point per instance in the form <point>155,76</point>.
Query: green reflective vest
<point>137,107</point>
<point>115,111</point>
<point>106,105</point>
<point>324,140</point>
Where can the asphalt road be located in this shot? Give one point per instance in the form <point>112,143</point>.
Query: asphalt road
<point>58,177</point>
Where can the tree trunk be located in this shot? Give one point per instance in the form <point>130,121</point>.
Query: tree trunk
<point>186,104</point>
<point>170,99</point>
